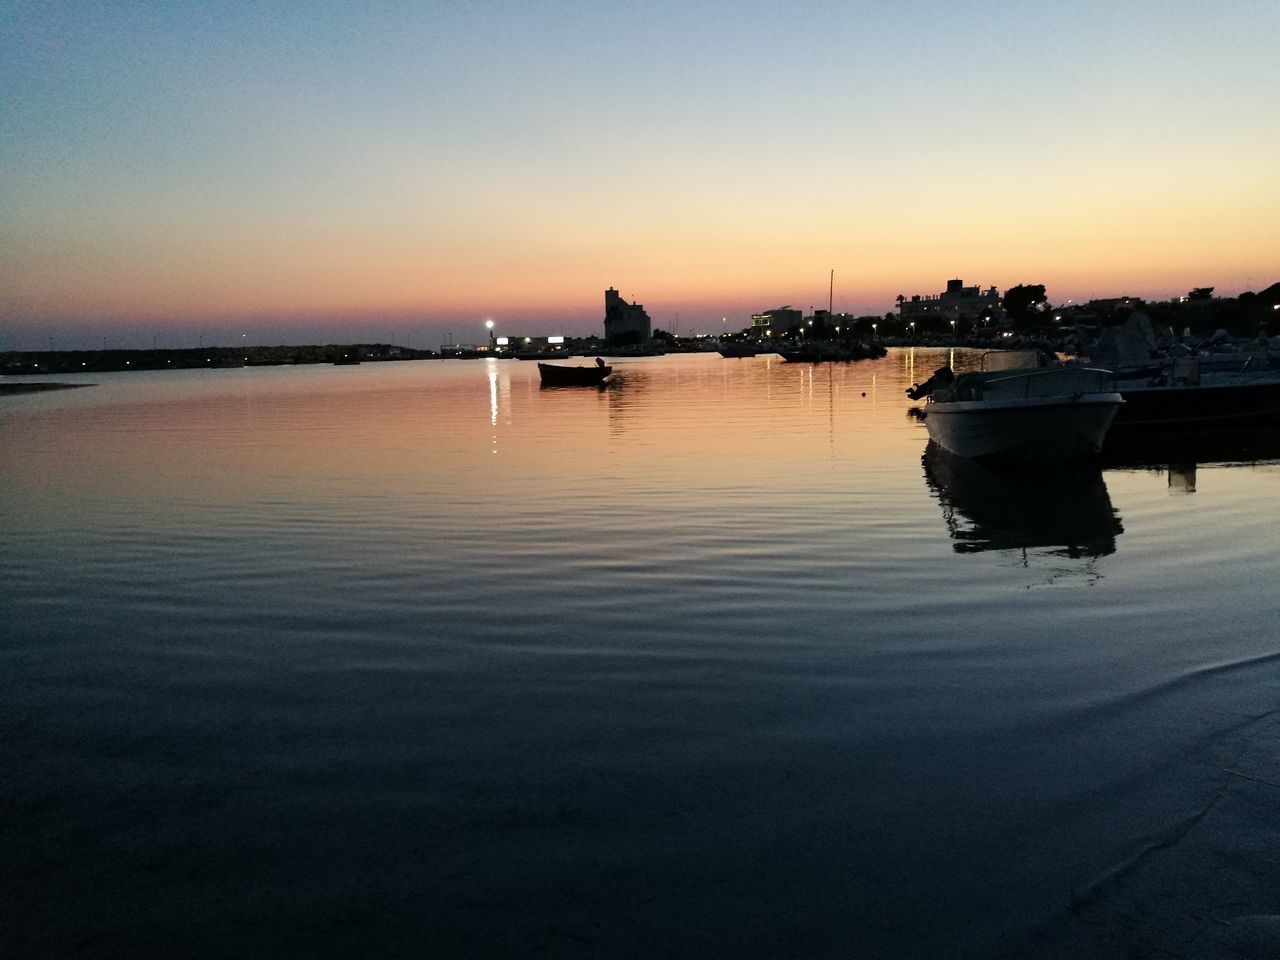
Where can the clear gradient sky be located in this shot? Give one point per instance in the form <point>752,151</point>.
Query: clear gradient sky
<point>321,170</point>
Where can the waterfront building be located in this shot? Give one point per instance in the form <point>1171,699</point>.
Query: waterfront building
<point>777,319</point>
<point>957,302</point>
<point>625,323</point>
<point>512,346</point>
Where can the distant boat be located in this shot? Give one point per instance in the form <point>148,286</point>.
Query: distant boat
<point>734,350</point>
<point>1022,414</point>
<point>554,375</point>
<point>824,351</point>
<point>347,360</point>
<point>637,350</point>
<point>550,354</point>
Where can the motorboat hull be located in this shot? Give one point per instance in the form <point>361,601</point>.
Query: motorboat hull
<point>1040,430</point>
<point>1208,405</point>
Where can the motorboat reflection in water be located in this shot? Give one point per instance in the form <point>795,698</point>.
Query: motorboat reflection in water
<point>554,375</point>
<point>1067,513</point>
<point>1019,409</point>
<point>1178,454</point>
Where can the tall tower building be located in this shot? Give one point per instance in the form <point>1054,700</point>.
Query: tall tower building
<point>624,322</point>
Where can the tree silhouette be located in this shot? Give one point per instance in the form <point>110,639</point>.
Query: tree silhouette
<point>1021,301</point>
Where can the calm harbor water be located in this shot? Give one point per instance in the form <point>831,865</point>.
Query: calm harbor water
<point>420,659</point>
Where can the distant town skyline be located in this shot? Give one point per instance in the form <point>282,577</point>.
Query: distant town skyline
<point>325,171</point>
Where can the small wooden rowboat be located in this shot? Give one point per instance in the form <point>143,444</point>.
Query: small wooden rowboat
<point>554,375</point>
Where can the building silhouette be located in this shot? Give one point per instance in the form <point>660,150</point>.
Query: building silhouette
<point>779,319</point>
<point>624,323</point>
<point>957,302</point>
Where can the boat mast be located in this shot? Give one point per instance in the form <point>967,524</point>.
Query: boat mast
<point>831,293</point>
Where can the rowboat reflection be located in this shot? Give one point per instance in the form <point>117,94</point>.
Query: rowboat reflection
<point>1068,512</point>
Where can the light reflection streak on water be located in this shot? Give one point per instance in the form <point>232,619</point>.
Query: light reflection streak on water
<point>493,393</point>
<point>493,403</point>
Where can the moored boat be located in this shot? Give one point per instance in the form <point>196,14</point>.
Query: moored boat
<point>554,375</point>
<point>825,351</point>
<point>736,350</point>
<point>1180,397</point>
<point>1020,413</point>
<point>1168,388</point>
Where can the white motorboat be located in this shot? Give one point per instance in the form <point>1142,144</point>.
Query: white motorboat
<point>1017,411</point>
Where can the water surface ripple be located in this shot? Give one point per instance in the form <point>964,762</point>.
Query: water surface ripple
<point>420,659</point>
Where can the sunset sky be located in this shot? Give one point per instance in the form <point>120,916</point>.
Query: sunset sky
<point>312,170</point>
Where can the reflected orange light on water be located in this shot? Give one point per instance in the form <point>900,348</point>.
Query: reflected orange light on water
<point>488,427</point>
<point>431,444</point>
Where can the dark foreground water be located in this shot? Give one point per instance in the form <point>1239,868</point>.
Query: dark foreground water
<point>421,660</point>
